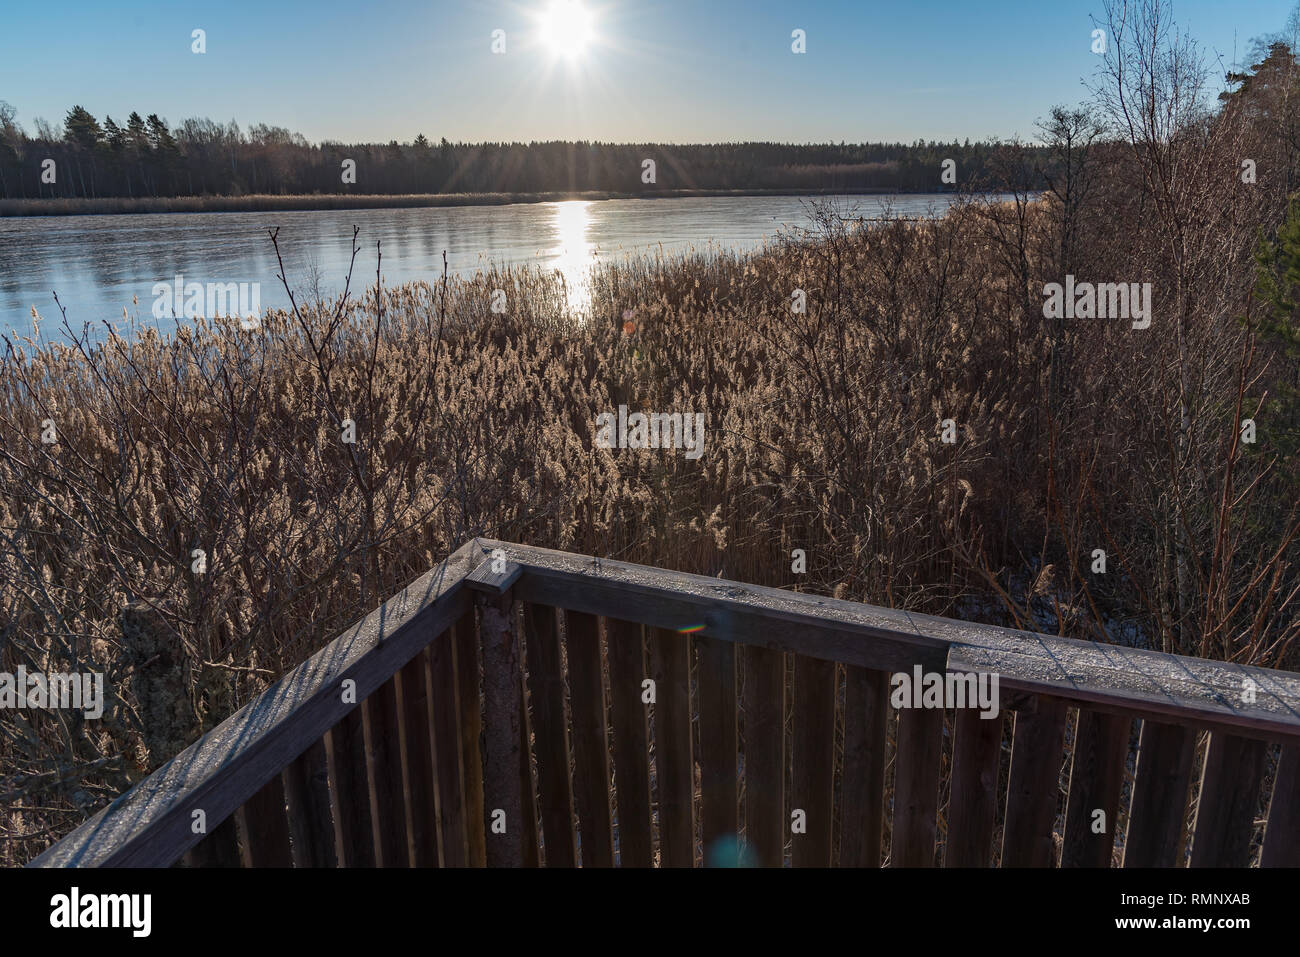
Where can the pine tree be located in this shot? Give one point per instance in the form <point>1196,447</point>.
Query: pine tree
<point>1278,288</point>
<point>81,129</point>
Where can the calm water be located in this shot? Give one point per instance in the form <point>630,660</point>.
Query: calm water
<point>97,264</point>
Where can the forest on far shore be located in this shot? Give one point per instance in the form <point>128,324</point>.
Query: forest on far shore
<point>145,157</point>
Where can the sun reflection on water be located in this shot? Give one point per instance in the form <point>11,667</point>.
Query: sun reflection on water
<point>572,254</point>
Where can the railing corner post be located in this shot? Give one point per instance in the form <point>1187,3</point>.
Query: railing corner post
<point>502,789</point>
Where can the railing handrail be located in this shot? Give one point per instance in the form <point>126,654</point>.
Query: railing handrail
<point>1137,681</point>
<point>150,825</point>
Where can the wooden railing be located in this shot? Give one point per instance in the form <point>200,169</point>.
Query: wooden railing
<point>518,706</point>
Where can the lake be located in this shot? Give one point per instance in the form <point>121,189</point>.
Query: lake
<point>97,264</point>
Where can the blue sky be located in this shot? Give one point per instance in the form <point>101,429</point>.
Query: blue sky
<point>656,70</point>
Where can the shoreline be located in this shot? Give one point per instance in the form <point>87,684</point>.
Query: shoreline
<point>257,203</point>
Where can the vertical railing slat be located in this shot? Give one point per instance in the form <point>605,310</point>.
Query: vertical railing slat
<point>546,687</point>
<point>973,798</point>
<point>628,719</point>
<point>311,822</point>
<point>1225,812</point>
<point>916,787</point>
<point>1164,771</point>
<point>862,786</point>
<point>1096,780</point>
<point>814,741</point>
<point>444,717</point>
<point>590,747</point>
<point>764,702</point>
<point>265,826</point>
<point>219,849</point>
<point>471,729</point>
<point>1282,833</point>
<point>1033,787</point>
<point>417,759</point>
<point>345,745</point>
<point>719,800</point>
<point>527,784</point>
<point>383,759</point>
<point>674,761</point>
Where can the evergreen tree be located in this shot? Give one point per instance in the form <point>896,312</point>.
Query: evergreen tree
<point>81,129</point>
<point>1278,288</point>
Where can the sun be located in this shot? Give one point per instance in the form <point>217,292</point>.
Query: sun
<point>566,29</point>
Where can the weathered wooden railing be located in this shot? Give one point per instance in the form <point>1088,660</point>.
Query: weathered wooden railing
<point>700,712</point>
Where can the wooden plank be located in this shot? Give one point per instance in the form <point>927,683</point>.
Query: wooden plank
<point>629,724</point>
<point>528,786</point>
<point>719,781</point>
<point>973,797</point>
<point>347,756</point>
<point>381,721</point>
<point>265,826</point>
<point>814,741</point>
<point>494,576</point>
<point>444,717</point>
<point>1225,812</point>
<point>1282,833</point>
<point>150,825</point>
<point>502,734</point>
<point>550,733</point>
<point>311,822</point>
<point>465,636</point>
<point>916,786</point>
<point>220,848</point>
<point>1164,771</point>
<point>674,759</point>
<point>1130,680</point>
<point>764,703</point>
<point>1034,787</point>
<point>591,782</point>
<point>1096,780</point>
<point>418,762</point>
<point>862,784</point>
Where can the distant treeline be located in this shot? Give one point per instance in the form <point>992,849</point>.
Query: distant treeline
<point>144,157</point>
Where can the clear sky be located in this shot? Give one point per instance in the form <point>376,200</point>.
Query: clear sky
<point>653,70</point>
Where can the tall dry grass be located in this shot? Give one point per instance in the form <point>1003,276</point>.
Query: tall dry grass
<point>275,202</point>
